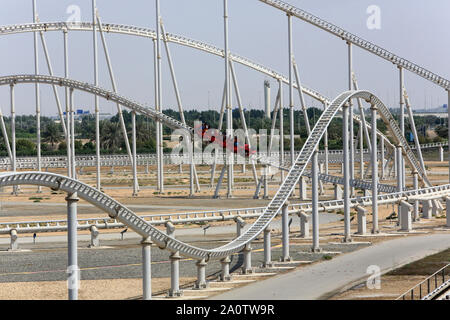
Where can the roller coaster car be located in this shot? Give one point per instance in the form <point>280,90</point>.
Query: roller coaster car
<point>204,130</point>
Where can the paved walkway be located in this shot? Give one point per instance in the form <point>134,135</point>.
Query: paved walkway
<point>319,281</point>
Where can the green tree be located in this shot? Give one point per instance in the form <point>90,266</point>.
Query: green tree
<point>52,134</point>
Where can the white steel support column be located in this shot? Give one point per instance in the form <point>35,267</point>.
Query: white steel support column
<point>400,185</point>
<point>55,90</point>
<point>361,150</point>
<point>229,131</point>
<point>72,242</point>
<point>447,204</point>
<point>402,122</point>
<point>267,248</point>
<point>244,123</point>
<point>72,133</point>
<point>325,143</point>
<point>351,137</point>
<point>146,269</point>
<point>222,111</point>
<point>225,273</point>
<point>291,90</point>
<point>448,125</point>
<point>158,75</point>
<point>37,96</point>
<point>285,233</point>
<point>413,127</point>
<point>315,202</point>
<point>201,282</point>
<point>301,96</point>
<point>175,275</point>
<point>97,102</point>
<point>362,115</point>
<point>280,89</point>
<point>68,126</point>
<point>247,267</point>
<point>114,86</point>
<point>134,162</point>
<point>13,133</point>
<point>382,157</point>
<point>177,92</point>
<point>416,215</point>
<point>374,171</point>
<point>347,235</point>
<point>5,137</point>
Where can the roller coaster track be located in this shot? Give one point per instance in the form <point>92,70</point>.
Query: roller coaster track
<point>366,45</point>
<point>118,211</point>
<point>108,95</point>
<point>121,216</point>
<point>221,215</point>
<point>180,40</point>
<point>124,161</point>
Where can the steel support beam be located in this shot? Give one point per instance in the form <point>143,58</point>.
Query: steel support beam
<point>315,203</point>
<point>146,269</point>
<point>346,165</point>
<point>375,228</point>
<point>37,96</point>
<point>72,241</point>
<point>285,233</point>
<point>67,102</point>
<point>291,90</point>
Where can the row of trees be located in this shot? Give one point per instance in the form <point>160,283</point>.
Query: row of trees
<point>112,140</point>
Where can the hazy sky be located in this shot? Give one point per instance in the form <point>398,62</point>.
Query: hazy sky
<point>414,29</point>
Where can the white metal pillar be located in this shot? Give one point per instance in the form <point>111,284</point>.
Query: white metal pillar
<point>201,282</point>
<point>147,269</point>
<point>134,162</point>
<point>13,133</point>
<point>346,164</point>
<point>382,174</point>
<point>96,101</point>
<point>285,233</point>
<point>280,89</point>
<point>67,102</point>
<point>361,151</point>
<point>267,247</point>
<point>416,215</point>
<point>158,75</point>
<point>374,171</point>
<point>448,124</point>
<point>229,131</point>
<point>291,91</point>
<point>402,122</point>
<point>225,273</point>
<point>114,86</point>
<point>72,133</point>
<point>325,143</point>
<point>315,202</point>
<point>72,241</point>
<point>352,145</point>
<point>38,97</point>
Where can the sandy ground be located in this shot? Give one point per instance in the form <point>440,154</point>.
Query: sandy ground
<point>118,289</point>
<point>176,199</point>
<point>391,287</point>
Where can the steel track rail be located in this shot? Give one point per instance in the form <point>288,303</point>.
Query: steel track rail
<point>49,180</point>
<point>366,45</point>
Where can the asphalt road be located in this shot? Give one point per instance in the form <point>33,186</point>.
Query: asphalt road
<point>321,280</point>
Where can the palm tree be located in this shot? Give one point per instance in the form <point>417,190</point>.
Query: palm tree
<point>111,137</point>
<point>52,134</point>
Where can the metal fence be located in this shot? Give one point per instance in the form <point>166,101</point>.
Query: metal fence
<point>431,287</point>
